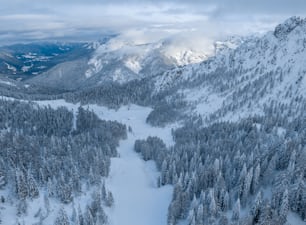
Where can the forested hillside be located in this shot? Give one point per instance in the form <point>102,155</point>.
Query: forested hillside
<point>250,172</point>
<point>48,154</point>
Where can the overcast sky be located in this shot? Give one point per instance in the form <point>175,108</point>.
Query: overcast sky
<point>28,20</point>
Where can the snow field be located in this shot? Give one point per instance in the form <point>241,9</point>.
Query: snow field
<point>133,182</point>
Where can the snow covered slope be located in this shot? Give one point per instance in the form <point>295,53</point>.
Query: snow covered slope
<point>142,59</point>
<point>120,60</point>
<point>133,181</point>
<point>248,79</point>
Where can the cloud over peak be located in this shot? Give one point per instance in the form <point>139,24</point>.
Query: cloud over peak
<point>57,19</point>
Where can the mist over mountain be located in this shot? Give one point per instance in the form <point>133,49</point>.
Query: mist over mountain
<point>119,60</point>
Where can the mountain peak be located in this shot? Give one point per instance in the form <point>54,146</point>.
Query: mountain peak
<point>283,29</point>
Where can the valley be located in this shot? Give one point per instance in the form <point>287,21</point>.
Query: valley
<point>133,133</point>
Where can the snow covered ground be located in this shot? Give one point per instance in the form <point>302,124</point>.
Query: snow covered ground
<point>133,182</point>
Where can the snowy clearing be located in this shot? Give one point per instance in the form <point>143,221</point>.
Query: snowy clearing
<point>133,182</point>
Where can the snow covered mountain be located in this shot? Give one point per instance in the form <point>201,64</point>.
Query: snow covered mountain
<point>146,59</point>
<point>246,79</point>
<point>121,61</point>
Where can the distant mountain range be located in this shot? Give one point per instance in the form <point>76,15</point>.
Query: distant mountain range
<point>119,61</point>
<point>72,66</point>
<point>244,74</point>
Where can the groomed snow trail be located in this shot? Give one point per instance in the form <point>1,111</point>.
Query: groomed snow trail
<point>133,182</point>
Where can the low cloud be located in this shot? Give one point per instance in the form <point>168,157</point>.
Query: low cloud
<point>22,20</point>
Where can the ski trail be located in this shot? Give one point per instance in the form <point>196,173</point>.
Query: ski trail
<point>133,182</point>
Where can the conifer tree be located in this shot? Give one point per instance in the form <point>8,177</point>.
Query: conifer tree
<point>62,218</point>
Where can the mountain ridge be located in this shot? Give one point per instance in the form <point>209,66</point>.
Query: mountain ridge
<point>119,61</point>
<point>260,70</point>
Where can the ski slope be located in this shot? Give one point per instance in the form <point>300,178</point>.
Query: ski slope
<point>133,182</point>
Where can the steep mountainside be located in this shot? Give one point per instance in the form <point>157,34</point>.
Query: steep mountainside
<point>245,81</point>
<point>242,161</point>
